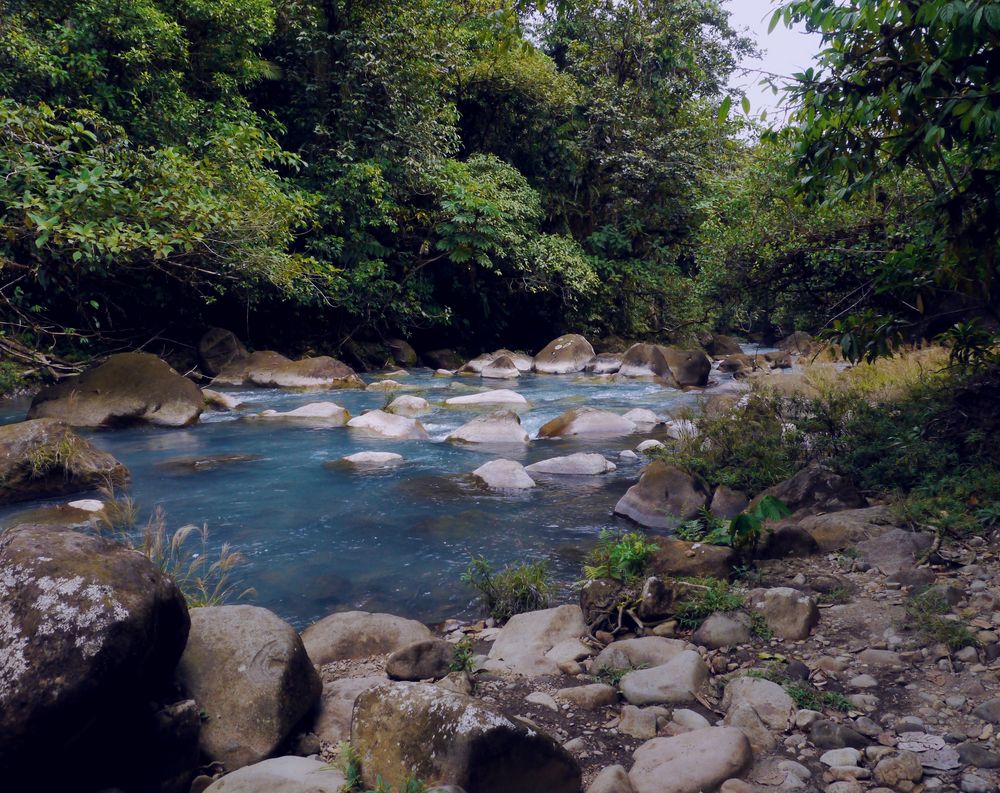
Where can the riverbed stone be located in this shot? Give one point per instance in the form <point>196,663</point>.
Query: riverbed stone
<point>815,488</point>
<point>128,388</point>
<point>769,700</point>
<point>336,706</point>
<point>269,369</point>
<point>89,631</point>
<point>430,659</point>
<point>646,651</point>
<point>403,730</point>
<point>587,421</point>
<point>581,464</point>
<point>896,769</point>
<point>499,428</point>
<point>664,497</point>
<point>407,405</point>
<point>217,348</point>
<point>695,761</point>
<point>359,634</point>
<point>723,629</point>
<point>387,425</point>
<point>837,530</point>
<point>522,643</point>
<point>45,457</point>
<point>564,355</point>
<point>248,670</point>
<point>372,459</point>
<point>789,613</point>
<point>504,475</point>
<point>646,360</point>
<point>489,399</point>
<point>282,775</point>
<point>325,414</point>
<point>689,367</point>
<point>501,368</point>
<point>744,718</point>
<point>675,682</point>
<point>604,363</point>
<point>611,779</point>
<point>679,558</point>
<point>589,697</point>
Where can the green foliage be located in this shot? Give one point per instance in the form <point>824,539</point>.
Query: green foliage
<point>463,656</point>
<point>747,528</point>
<point>712,596</point>
<point>620,556</point>
<point>612,675</point>
<point>704,528</point>
<point>927,613</point>
<point>513,590</point>
<point>11,378</point>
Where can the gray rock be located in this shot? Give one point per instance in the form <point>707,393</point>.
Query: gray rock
<point>745,719</point>
<point>826,734</point>
<point>333,721</point>
<point>972,783</point>
<point>269,369</point>
<point>790,614</point>
<point>359,634</point>
<point>674,682</point>
<point>501,427</point>
<point>769,700</point>
<point>589,422</point>
<point>282,775</point>
<point>695,761</point>
<point>417,730</point>
<point>895,770</point>
<point>989,711</point>
<point>978,756</point>
<point>522,644</point>
<point>249,672</point>
<point>613,779</point>
<point>840,757</point>
<point>647,651</point>
<point>664,497</point>
<point>580,464</point>
<point>504,475</point>
<point>564,355</point>
<point>815,489</point>
<point>723,630</point>
<point>589,697</point>
<point>638,722</point>
<point>429,659</point>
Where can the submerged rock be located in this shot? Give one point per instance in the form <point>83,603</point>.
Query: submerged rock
<point>580,463</point>
<point>269,369</point>
<point>500,427</point>
<point>664,497</point>
<point>643,416</point>
<point>190,465</point>
<point>89,630</point>
<point>318,413</point>
<point>567,354</point>
<point>388,425</point>
<point>128,388</point>
<point>372,459</point>
<point>44,457</point>
<point>249,671</point>
<point>500,396</point>
<point>504,475</point>
<point>689,367</point>
<point>359,634</point>
<point>419,730</point>
<point>587,421</point>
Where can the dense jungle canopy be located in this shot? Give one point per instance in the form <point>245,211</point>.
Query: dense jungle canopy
<point>316,173</point>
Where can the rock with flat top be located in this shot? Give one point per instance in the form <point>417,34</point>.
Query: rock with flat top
<point>269,369</point>
<point>315,413</point>
<point>380,424</point>
<point>675,682</point>
<point>580,464</point>
<point>359,634</point>
<point>522,645</point>
<point>664,497</point>
<point>769,700</point>
<point>282,775</point>
<point>504,475</point>
<point>700,760</point>
<point>501,427</point>
<point>372,459</point>
<point>407,405</point>
<point>499,396</point>
<point>587,421</point>
<point>790,614</point>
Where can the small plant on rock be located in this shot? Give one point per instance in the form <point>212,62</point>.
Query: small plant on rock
<point>747,528</point>
<point>705,528</point>
<point>927,612</point>
<point>514,590</point>
<point>620,556</point>
<point>462,659</point>
<point>348,762</point>
<point>712,596</point>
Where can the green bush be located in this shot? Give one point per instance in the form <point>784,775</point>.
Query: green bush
<point>620,556</point>
<point>11,379</point>
<point>514,590</point>
<point>712,597</point>
<point>927,614</point>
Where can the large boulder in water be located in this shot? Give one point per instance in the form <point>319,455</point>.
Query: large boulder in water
<point>524,363</point>
<point>248,670</point>
<point>504,475</point>
<point>44,457</point>
<point>500,427</point>
<point>587,421</point>
<point>689,367</point>
<point>490,399</point>
<point>268,369</point>
<point>501,368</point>
<point>646,360</point>
<point>359,634</point>
<point>569,353</point>
<point>89,631</point>
<point>579,464</point>
<point>719,346</point>
<point>402,352</point>
<point>218,348</point>
<point>128,388</point>
<point>388,425</point>
<point>423,731</point>
<point>664,497</point>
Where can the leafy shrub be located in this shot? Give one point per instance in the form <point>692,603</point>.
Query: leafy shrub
<point>746,529</point>
<point>705,528</point>
<point>348,762</point>
<point>620,556</point>
<point>11,379</point>
<point>515,589</point>
<point>462,659</point>
<point>713,596</point>
<point>927,614</point>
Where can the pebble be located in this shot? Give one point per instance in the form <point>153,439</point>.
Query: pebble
<point>543,699</point>
<point>863,681</point>
<point>841,757</point>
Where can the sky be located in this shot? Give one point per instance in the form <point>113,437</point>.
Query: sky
<point>785,51</point>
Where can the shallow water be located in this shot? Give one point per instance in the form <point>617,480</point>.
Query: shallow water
<point>319,539</point>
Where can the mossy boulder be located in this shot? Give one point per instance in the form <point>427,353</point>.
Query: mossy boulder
<point>128,388</point>
<point>269,369</point>
<point>567,354</point>
<point>424,731</point>
<point>218,348</point>
<point>89,631</point>
<point>44,457</point>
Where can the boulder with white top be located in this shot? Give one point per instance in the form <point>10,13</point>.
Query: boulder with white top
<point>646,360</point>
<point>579,464</point>
<point>643,417</point>
<point>587,421</point>
<point>385,385</point>
<point>565,355</point>
<point>604,363</point>
<point>524,363</point>
<point>504,475</point>
<point>319,413</point>
<point>409,406</point>
<point>269,369</point>
<point>380,424</point>
<point>502,368</point>
<point>489,399</point>
<point>499,428</point>
<point>372,459</point>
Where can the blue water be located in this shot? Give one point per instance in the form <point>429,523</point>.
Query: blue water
<point>318,540</point>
